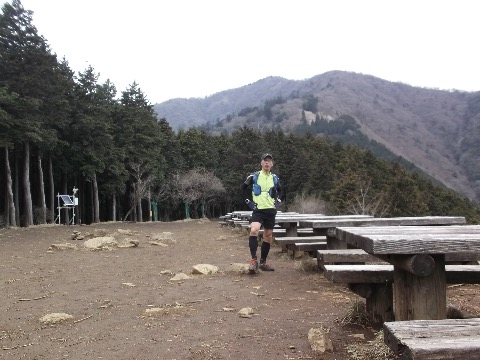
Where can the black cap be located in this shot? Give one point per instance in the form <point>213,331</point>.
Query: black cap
<point>267,155</point>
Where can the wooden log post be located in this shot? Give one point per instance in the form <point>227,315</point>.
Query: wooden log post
<point>419,264</point>
<point>421,297</point>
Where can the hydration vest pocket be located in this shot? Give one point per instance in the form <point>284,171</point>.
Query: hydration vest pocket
<point>257,190</point>
<point>273,192</point>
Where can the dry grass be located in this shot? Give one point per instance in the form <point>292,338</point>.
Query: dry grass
<point>307,264</point>
<point>372,350</point>
<point>356,314</point>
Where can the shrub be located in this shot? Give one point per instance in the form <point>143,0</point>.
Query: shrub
<point>308,204</point>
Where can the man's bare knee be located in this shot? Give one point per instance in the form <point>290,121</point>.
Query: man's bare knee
<point>254,229</point>
<point>268,240</point>
<point>268,236</point>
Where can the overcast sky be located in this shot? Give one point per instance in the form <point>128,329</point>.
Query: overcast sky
<point>195,48</point>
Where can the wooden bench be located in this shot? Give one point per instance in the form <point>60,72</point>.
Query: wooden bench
<point>374,283</point>
<point>434,339</point>
<point>287,243</point>
<point>279,232</point>
<point>240,223</point>
<point>310,248</point>
<point>347,256</point>
<point>360,256</point>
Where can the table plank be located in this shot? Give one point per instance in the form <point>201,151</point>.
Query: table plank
<point>397,221</point>
<point>417,240</point>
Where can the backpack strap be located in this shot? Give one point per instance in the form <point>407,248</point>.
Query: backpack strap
<point>255,178</point>
<point>275,180</point>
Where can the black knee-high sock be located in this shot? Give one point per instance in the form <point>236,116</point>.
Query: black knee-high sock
<point>264,251</point>
<point>253,244</point>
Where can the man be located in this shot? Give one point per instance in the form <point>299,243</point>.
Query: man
<point>263,198</point>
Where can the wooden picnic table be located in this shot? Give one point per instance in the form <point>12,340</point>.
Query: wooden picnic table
<point>291,222</point>
<point>326,227</point>
<point>419,291</point>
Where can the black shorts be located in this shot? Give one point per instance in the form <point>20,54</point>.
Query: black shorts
<point>266,217</point>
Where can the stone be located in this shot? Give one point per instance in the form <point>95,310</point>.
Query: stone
<point>320,340</point>
<point>100,242</point>
<point>204,269</point>
<point>55,318</point>
<point>180,276</point>
<point>246,312</point>
<point>66,246</point>
<point>238,268</point>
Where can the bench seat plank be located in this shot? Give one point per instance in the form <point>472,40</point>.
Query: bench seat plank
<point>283,232</point>
<point>434,339</point>
<point>375,274</point>
<point>290,240</point>
<point>288,243</point>
<point>310,246</point>
<point>358,274</point>
<point>360,256</point>
<point>345,255</point>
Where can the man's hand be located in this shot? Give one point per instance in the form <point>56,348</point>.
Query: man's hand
<point>277,203</point>
<point>251,205</point>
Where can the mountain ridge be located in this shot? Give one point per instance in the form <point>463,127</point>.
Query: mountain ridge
<point>434,129</point>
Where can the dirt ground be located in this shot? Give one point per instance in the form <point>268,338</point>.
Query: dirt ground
<point>125,303</point>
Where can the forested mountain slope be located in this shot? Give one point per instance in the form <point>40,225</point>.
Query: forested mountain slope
<point>436,130</point>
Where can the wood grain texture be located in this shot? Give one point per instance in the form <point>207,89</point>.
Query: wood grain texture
<point>455,274</point>
<point>398,221</point>
<point>421,298</point>
<point>434,339</point>
<point>413,240</point>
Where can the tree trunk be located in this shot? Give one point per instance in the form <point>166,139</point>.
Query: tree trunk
<point>26,187</point>
<point>5,190</point>
<point>129,211</point>
<point>114,208</point>
<point>92,204</point>
<point>16,195</point>
<point>80,198</point>
<point>67,215</point>
<point>52,190</point>
<point>11,219</point>
<point>96,204</point>
<point>149,206</point>
<point>43,219</point>
<point>140,212</point>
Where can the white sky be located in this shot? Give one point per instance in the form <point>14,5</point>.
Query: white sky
<point>195,48</point>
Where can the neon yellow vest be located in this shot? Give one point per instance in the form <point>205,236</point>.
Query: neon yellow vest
<point>264,200</point>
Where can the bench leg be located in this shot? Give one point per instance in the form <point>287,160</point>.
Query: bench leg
<point>334,244</point>
<point>379,300</point>
<point>283,247</point>
<point>295,254</point>
<point>291,230</point>
<point>380,304</point>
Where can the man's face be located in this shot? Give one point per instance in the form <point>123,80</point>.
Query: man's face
<point>267,164</point>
